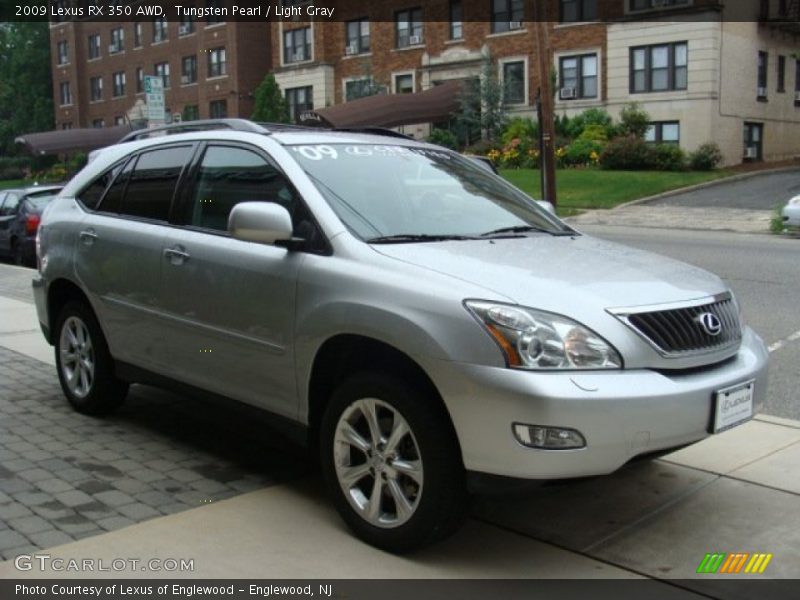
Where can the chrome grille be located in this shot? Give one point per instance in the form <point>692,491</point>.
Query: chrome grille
<point>678,332</point>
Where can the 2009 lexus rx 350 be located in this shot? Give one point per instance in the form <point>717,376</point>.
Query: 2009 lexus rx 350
<point>414,316</point>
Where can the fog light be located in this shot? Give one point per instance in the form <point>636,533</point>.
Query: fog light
<point>550,438</point>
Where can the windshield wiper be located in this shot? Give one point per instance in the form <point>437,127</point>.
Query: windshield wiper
<point>402,238</point>
<point>524,229</point>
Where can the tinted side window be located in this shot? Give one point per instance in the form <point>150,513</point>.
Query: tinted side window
<point>230,175</point>
<point>112,201</point>
<point>152,183</point>
<point>10,205</point>
<point>91,196</point>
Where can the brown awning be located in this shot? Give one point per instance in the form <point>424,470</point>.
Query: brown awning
<point>63,141</point>
<point>435,104</point>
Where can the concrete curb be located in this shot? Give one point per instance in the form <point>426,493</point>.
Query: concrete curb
<point>705,184</point>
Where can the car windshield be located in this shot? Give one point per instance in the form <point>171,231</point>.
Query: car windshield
<point>392,193</point>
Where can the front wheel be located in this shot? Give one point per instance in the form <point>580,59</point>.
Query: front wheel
<point>391,463</point>
<point>85,367</point>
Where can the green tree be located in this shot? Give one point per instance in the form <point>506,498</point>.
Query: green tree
<point>634,120</point>
<point>26,88</point>
<point>270,105</point>
<point>483,111</point>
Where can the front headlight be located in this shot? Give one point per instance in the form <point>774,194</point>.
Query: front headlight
<point>534,339</point>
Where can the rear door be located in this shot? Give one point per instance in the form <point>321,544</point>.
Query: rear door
<point>118,258</point>
<point>231,304</point>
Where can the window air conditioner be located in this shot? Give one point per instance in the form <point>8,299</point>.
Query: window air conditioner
<point>568,93</point>
<point>413,40</point>
<point>351,49</point>
<point>515,25</point>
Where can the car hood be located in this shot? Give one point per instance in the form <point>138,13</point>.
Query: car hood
<point>563,274</point>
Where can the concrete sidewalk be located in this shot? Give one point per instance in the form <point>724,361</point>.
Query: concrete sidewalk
<point>735,492</point>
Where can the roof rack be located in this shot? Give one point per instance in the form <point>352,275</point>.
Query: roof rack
<point>189,126</point>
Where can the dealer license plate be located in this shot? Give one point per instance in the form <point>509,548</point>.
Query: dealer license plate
<point>733,405</point>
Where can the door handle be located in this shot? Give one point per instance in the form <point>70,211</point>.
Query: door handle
<point>177,255</point>
<point>88,237</point>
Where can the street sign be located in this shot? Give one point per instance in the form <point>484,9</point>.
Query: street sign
<point>154,96</point>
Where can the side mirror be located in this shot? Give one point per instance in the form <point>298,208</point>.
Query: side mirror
<point>261,222</point>
<point>547,206</point>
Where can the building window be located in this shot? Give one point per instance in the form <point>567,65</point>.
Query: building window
<point>65,93</point>
<point>191,112</point>
<point>93,46</point>
<point>357,88</point>
<point>636,5</point>
<point>456,22</point>
<point>404,84</point>
<point>118,89</point>
<point>117,40</point>
<point>578,76</point>
<point>781,73</point>
<point>98,123</point>
<point>763,64</point>
<point>299,100</point>
<point>160,29</point>
<point>574,11</point>
<point>163,70</point>
<point>139,80</point>
<point>297,45</point>
<point>408,28</point>
<point>66,125</point>
<point>63,53</point>
<point>514,82</point>
<point>119,120</point>
<point>659,68</point>
<point>214,17</point>
<point>188,70</point>
<point>218,109</point>
<point>216,62</point>
<point>357,36</point>
<point>96,88</point>
<point>507,15</point>
<point>753,141</point>
<point>137,35</point>
<point>186,26</point>
<point>663,132</point>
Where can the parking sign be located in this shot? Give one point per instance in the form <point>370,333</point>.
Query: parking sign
<point>154,96</point>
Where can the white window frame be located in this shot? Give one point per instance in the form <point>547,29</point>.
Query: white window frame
<point>396,74</point>
<point>501,76</point>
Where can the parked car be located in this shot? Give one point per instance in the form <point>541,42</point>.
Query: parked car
<point>20,212</point>
<point>791,213</point>
<point>423,323</point>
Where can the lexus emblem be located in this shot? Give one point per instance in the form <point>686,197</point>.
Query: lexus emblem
<point>709,322</point>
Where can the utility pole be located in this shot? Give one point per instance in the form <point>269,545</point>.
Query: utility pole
<point>545,102</point>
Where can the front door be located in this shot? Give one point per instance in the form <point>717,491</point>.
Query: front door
<point>754,141</point>
<point>230,305</point>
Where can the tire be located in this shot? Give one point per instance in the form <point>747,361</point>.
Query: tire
<point>422,503</point>
<point>84,364</point>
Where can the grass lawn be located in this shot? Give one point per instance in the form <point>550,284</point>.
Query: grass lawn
<point>593,188</point>
<point>13,183</point>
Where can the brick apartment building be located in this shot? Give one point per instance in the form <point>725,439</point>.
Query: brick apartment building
<point>210,68</point>
<point>705,70</point>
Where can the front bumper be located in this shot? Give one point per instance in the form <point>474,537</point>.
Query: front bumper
<point>620,413</point>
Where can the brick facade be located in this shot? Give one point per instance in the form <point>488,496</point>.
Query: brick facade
<point>247,53</point>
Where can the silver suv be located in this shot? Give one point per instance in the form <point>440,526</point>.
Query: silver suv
<point>417,319</point>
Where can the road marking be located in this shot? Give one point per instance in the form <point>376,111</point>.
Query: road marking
<point>781,343</point>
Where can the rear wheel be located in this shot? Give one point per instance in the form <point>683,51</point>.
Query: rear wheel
<point>391,463</point>
<point>85,367</point>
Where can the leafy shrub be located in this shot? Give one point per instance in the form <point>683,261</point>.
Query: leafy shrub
<point>595,133</point>
<point>582,152</point>
<point>482,147</point>
<point>634,121</point>
<point>595,117</point>
<point>521,128</point>
<point>669,157</point>
<point>706,157</point>
<point>11,173</point>
<point>443,137</point>
<point>627,153</point>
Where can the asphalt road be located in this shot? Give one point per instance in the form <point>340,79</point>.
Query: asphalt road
<point>764,273</point>
<point>762,192</point>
